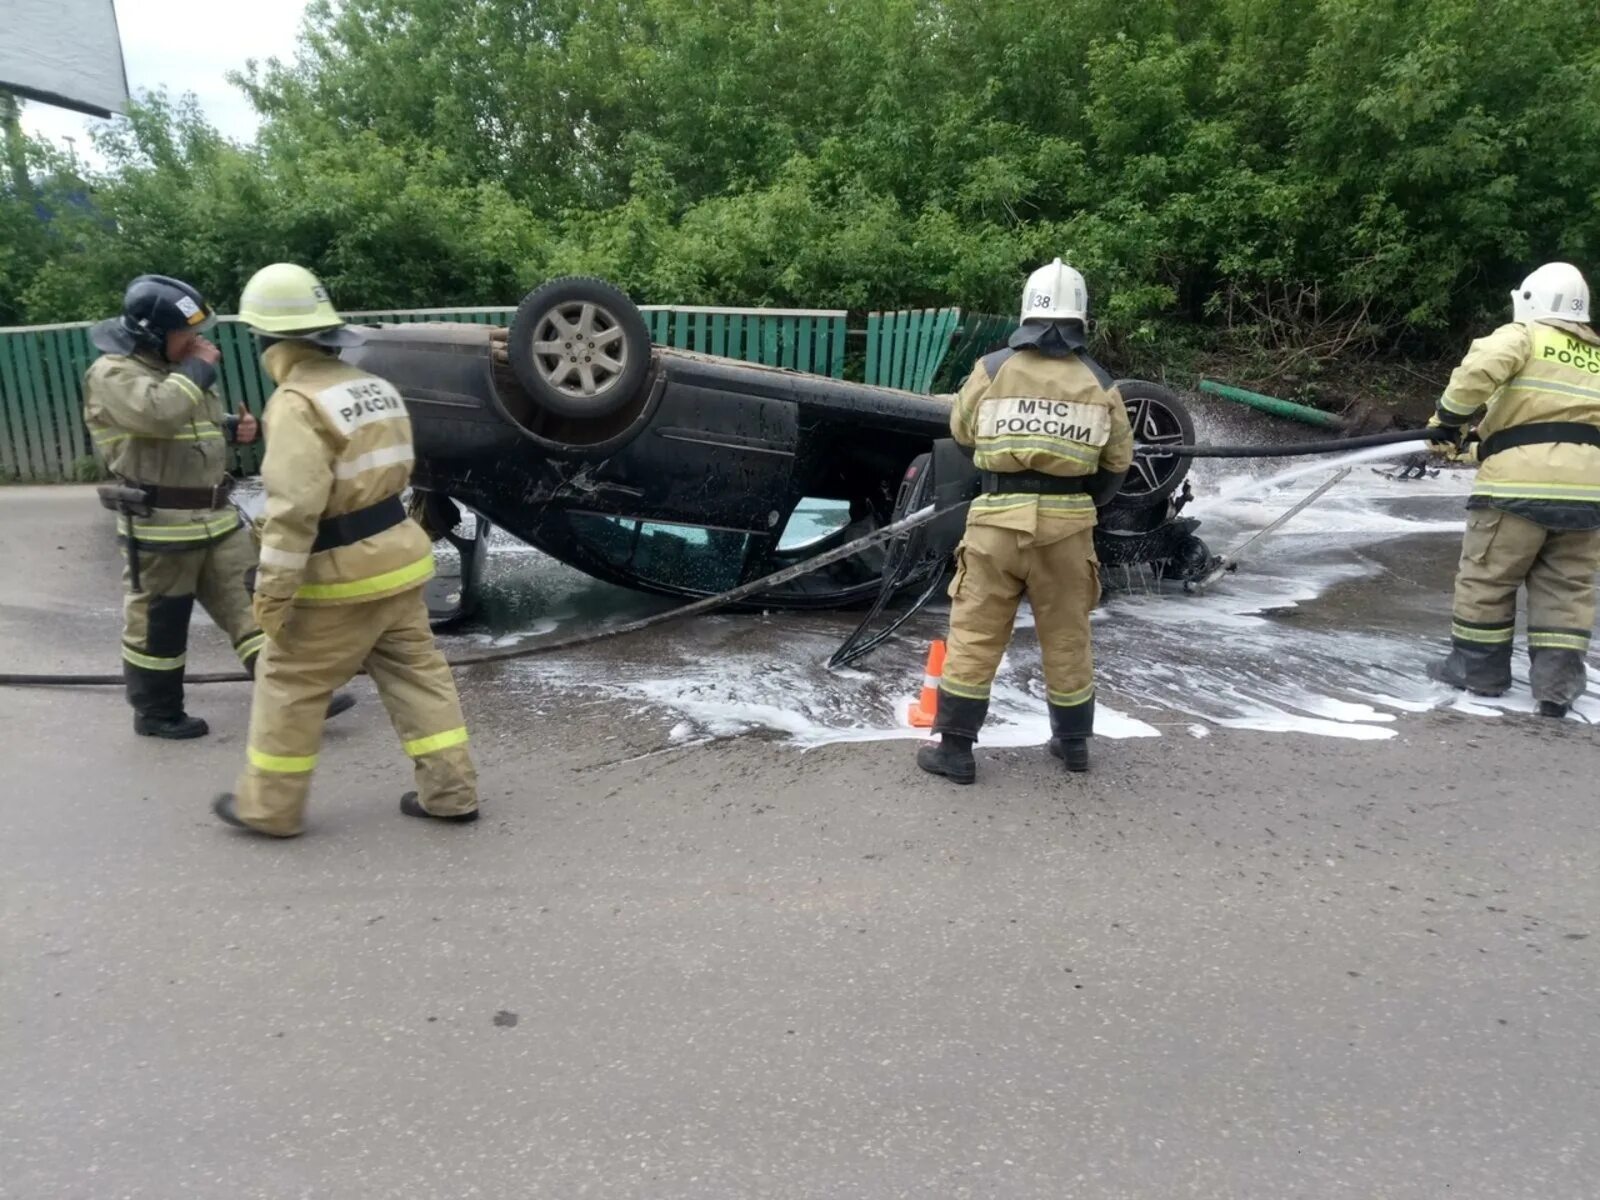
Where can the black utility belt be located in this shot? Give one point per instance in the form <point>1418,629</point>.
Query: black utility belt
<point>352,527</point>
<point>1539,433</point>
<point>1034,483</point>
<point>155,495</point>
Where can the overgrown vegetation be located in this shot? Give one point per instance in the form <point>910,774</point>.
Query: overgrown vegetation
<point>1297,181</point>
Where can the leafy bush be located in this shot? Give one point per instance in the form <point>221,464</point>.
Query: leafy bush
<point>1300,178</point>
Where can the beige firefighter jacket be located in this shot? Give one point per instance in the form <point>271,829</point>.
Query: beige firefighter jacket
<point>1523,374</point>
<point>152,424</point>
<point>1036,412</point>
<point>338,440</point>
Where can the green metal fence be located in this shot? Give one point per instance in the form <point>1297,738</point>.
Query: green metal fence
<point>978,335</point>
<point>905,349</point>
<point>43,439</point>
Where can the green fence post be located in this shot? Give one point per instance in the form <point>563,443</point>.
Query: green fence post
<point>921,344</point>
<point>81,353</point>
<point>902,343</point>
<point>940,332</point>
<point>836,348</point>
<point>56,382</point>
<point>34,407</point>
<point>19,454</point>
<point>874,360</point>
<point>769,341</point>
<point>786,339</point>
<point>805,337</point>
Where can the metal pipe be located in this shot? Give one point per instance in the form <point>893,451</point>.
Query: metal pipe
<point>1303,413</point>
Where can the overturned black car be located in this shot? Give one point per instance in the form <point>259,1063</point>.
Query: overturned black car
<point>679,473</point>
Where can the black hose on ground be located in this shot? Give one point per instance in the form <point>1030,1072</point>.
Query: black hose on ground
<point>744,591</point>
<point>1394,437</point>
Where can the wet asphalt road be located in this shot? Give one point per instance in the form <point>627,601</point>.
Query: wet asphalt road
<point>1243,966</point>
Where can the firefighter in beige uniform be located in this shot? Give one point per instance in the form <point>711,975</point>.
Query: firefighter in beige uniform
<point>1533,390</point>
<point>342,570</point>
<point>1051,436</point>
<point>160,429</point>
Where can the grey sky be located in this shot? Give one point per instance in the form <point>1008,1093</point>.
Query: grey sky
<point>188,48</point>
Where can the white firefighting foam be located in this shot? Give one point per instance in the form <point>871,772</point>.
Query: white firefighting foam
<point>1307,637</point>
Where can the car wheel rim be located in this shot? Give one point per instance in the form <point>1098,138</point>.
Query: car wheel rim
<point>579,349</point>
<point>1154,424</point>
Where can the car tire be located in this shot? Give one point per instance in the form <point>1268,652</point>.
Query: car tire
<point>1158,416</point>
<point>579,347</point>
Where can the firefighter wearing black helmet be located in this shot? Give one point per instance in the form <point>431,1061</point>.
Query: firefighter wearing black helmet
<point>158,425</point>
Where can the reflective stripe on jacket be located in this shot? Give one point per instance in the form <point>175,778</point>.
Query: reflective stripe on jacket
<point>1023,410</point>
<point>153,424</point>
<point>338,440</point>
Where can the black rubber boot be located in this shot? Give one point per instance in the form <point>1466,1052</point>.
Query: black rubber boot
<point>1557,676</point>
<point>1073,753</point>
<point>1071,726</point>
<point>951,758</point>
<point>1481,670</point>
<point>412,807</point>
<point>957,723</point>
<point>226,809</point>
<point>223,807</point>
<point>341,702</point>
<point>178,729</point>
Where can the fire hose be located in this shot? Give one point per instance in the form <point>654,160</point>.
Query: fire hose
<point>707,604</point>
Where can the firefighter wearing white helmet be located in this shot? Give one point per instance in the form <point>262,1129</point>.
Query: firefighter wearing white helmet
<point>1050,436</point>
<point>342,569</point>
<point>1532,390</point>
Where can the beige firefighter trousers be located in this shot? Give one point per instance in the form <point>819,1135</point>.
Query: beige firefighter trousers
<point>155,619</point>
<point>1062,582</point>
<point>1503,552</point>
<point>319,650</point>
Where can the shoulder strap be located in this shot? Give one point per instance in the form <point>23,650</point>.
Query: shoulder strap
<point>993,362</point>
<point>1101,375</point>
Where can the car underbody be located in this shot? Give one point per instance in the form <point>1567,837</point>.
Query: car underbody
<point>683,474</point>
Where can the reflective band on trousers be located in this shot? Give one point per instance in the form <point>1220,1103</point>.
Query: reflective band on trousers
<point>1558,641</point>
<point>1487,637</point>
<point>250,645</point>
<point>150,662</point>
<point>1071,699</point>
<point>964,691</point>
<point>413,573</point>
<point>417,747</point>
<point>281,764</point>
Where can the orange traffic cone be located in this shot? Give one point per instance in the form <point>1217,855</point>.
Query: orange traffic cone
<point>922,713</point>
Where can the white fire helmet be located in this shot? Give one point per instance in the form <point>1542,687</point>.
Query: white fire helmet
<point>1055,293</point>
<point>1555,291</point>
